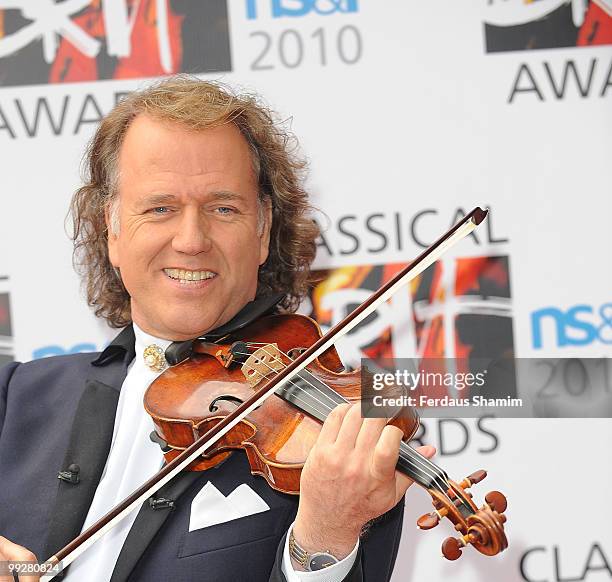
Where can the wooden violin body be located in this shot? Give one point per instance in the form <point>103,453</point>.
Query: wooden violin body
<point>187,399</point>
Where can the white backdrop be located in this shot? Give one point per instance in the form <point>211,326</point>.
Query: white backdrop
<point>402,113</point>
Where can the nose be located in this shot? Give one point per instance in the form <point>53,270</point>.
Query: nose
<point>192,235</point>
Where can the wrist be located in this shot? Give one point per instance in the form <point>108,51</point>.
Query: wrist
<point>310,562</point>
<point>338,541</point>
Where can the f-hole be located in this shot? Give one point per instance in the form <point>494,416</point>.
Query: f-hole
<point>227,397</point>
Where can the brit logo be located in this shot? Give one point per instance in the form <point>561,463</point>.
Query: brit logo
<point>6,330</point>
<point>86,40</point>
<point>458,309</point>
<point>512,25</point>
<point>525,25</point>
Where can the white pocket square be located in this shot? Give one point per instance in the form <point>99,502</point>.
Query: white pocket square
<point>210,506</point>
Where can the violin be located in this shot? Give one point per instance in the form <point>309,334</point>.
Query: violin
<point>265,388</point>
<point>188,399</point>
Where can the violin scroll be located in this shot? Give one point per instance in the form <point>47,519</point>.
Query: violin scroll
<point>482,527</point>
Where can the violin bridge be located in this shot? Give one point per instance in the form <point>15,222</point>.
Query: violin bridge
<point>262,363</point>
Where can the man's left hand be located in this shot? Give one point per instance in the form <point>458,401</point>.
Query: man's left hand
<point>349,478</point>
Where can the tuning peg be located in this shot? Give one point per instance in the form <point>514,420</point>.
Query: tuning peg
<point>428,521</point>
<point>497,501</point>
<point>472,479</point>
<point>451,548</point>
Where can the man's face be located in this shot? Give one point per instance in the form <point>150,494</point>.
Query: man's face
<point>190,243</point>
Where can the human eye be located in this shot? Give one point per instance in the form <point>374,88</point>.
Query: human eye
<point>225,210</point>
<point>160,210</point>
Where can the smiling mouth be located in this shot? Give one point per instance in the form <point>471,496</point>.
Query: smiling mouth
<point>189,277</point>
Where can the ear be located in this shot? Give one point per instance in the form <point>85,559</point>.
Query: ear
<point>264,237</point>
<point>113,241</point>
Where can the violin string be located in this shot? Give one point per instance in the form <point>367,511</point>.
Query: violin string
<point>414,459</point>
<point>412,453</point>
<point>431,467</point>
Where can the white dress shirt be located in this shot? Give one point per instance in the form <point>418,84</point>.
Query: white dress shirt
<point>133,459</point>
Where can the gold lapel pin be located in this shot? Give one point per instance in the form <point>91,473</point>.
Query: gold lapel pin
<point>154,358</point>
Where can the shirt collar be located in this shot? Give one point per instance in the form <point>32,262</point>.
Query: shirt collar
<point>123,346</point>
<point>130,343</point>
<point>143,340</point>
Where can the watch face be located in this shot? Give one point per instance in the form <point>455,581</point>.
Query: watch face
<point>321,560</point>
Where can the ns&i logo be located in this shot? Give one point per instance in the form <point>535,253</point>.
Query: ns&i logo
<point>579,325</point>
<point>296,8</point>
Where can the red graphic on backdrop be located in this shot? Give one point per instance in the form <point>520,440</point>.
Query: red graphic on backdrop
<point>145,58</point>
<point>474,300</point>
<point>86,40</point>
<point>512,25</point>
<point>458,309</point>
<point>341,290</point>
<point>597,26</point>
<point>5,322</point>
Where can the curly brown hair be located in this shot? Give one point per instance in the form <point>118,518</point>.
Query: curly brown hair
<point>196,105</point>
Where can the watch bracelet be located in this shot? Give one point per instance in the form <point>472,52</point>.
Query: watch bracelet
<point>301,556</point>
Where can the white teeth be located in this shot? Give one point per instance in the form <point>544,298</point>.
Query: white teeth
<point>184,276</point>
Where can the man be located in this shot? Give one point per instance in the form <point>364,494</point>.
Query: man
<point>192,208</point>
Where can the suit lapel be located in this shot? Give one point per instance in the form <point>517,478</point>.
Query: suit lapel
<point>147,524</point>
<point>89,445</point>
<point>90,440</point>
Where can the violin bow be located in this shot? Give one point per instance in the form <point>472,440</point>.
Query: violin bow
<point>96,531</point>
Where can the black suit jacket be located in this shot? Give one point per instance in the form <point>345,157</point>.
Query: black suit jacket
<point>59,411</point>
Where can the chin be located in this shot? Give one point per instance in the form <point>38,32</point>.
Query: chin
<point>188,322</point>
<point>189,326</point>
<point>182,332</point>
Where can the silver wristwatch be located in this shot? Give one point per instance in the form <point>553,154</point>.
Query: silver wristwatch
<point>310,562</point>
